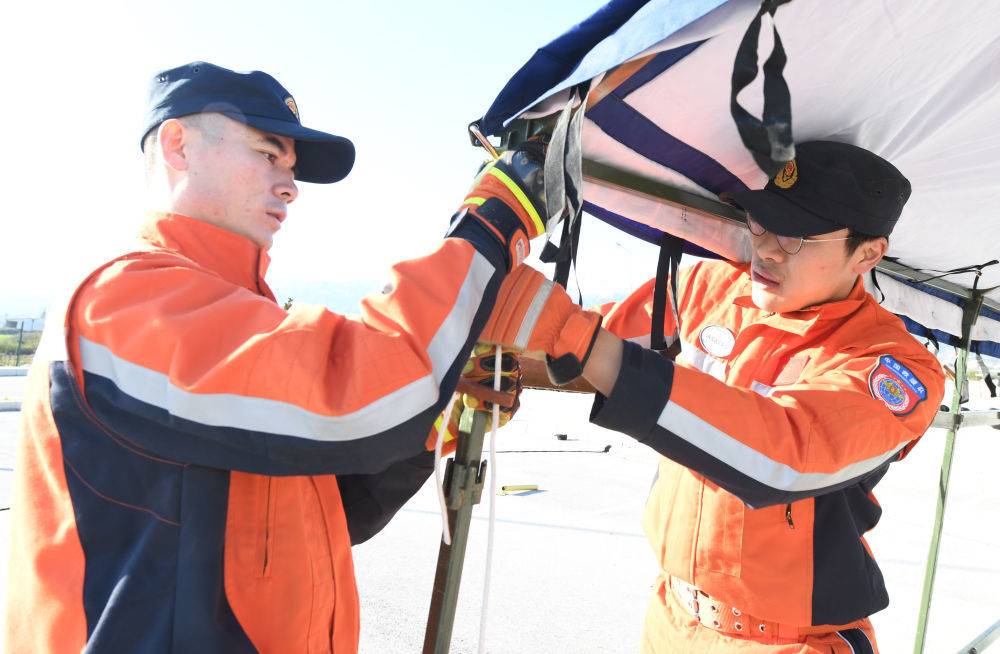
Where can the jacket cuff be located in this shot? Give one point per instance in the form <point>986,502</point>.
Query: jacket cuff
<point>488,243</point>
<point>639,395</point>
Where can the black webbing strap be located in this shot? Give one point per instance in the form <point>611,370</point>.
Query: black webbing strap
<point>557,253</point>
<point>564,265</point>
<point>977,269</point>
<point>932,340</point>
<point>877,286</point>
<point>671,248</point>
<point>564,256</point>
<point>987,378</point>
<point>769,140</point>
<point>990,384</point>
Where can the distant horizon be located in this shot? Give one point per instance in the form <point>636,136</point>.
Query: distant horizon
<point>340,296</point>
<point>344,297</point>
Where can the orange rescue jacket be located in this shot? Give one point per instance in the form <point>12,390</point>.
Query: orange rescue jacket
<point>196,461</point>
<point>775,428</point>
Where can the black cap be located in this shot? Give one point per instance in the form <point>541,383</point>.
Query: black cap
<point>828,186</point>
<point>255,99</point>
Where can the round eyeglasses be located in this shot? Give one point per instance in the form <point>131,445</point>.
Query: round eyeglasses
<point>788,244</point>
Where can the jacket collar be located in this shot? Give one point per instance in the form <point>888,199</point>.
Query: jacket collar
<point>799,322</point>
<point>235,258</point>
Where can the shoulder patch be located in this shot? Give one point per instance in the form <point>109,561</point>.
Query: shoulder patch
<point>896,386</point>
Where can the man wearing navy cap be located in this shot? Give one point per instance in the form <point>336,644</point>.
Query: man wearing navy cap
<point>196,461</point>
<point>793,393</point>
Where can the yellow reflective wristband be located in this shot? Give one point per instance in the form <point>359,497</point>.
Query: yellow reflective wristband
<point>521,197</point>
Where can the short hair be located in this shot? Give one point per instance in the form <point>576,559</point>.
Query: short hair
<point>206,123</point>
<point>856,239</point>
<point>149,150</point>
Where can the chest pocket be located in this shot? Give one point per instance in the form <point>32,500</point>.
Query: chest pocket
<point>787,375</point>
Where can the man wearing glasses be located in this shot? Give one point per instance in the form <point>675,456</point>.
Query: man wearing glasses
<point>793,393</point>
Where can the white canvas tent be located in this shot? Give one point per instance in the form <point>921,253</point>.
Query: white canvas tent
<point>638,98</point>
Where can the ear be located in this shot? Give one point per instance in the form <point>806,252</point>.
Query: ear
<point>173,138</point>
<point>869,254</point>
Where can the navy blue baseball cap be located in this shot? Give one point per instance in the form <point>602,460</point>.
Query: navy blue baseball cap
<point>828,186</point>
<point>255,99</point>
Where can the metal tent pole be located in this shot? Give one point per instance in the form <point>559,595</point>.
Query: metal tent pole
<point>969,314</point>
<point>983,640</point>
<point>463,487</point>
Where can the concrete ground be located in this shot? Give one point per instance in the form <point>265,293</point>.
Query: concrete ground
<point>572,570</point>
<point>11,388</point>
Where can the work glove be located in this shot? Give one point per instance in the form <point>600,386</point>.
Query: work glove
<point>475,392</point>
<point>508,198</point>
<point>534,314</point>
<point>476,382</point>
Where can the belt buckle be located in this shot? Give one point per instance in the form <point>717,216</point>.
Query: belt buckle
<point>695,599</point>
<point>691,592</point>
<point>695,605</point>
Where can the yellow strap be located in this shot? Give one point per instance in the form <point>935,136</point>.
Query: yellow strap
<point>521,197</point>
<point>476,201</point>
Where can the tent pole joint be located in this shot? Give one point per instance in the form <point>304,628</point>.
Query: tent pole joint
<point>463,487</point>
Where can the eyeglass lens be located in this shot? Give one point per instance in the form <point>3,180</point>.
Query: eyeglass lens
<point>789,244</point>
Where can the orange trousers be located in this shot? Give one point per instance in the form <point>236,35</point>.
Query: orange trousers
<point>670,629</point>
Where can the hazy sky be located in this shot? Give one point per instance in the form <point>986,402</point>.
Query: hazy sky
<point>401,79</point>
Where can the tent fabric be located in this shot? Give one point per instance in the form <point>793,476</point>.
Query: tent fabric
<point>926,309</point>
<point>645,232</point>
<point>916,81</point>
<point>615,33</point>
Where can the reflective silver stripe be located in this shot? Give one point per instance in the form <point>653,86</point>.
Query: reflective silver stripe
<point>703,361</point>
<point>273,416</point>
<point>853,651</point>
<point>752,463</point>
<point>865,645</point>
<point>762,389</point>
<point>532,314</point>
<point>641,341</point>
<point>454,331</point>
<point>644,340</point>
<point>254,413</point>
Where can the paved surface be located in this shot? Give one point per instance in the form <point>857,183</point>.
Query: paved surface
<point>9,422</point>
<point>12,388</point>
<point>572,570</point>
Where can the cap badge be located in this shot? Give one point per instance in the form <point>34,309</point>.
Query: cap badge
<point>290,103</point>
<point>787,176</point>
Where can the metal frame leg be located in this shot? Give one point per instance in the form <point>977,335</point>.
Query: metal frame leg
<point>463,488</point>
<point>970,313</point>
<point>983,640</point>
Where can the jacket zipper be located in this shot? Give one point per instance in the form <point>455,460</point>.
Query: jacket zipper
<point>788,516</point>
<point>267,526</point>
